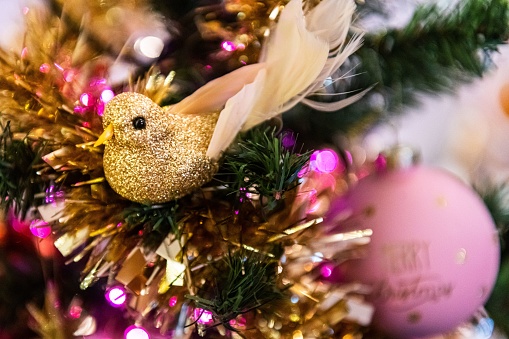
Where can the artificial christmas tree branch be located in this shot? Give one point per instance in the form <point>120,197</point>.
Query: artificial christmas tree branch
<point>435,52</point>
<point>235,244</point>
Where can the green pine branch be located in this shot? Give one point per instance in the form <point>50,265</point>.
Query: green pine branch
<point>434,53</point>
<point>155,221</point>
<point>260,164</point>
<point>244,282</point>
<point>19,182</point>
<point>435,49</point>
<point>496,199</point>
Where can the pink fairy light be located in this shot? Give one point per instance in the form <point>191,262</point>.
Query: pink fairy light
<point>44,68</point>
<point>325,161</point>
<point>135,332</point>
<point>203,316</point>
<point>86,100</point>
<point>173,301</point>
<point>95,97</point>
<point>326,271</point>
<point>75,311</point>
<point>40,228</point>
<point>228,46</point>
<point>116,296</point>
<point>107,95</point>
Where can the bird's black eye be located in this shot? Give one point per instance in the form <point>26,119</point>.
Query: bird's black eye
<point>139,123</point>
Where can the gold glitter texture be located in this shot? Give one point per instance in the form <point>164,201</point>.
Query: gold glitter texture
<point>164,160</point>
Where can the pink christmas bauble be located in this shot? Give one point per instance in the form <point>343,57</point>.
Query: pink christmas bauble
<point>434,253</point>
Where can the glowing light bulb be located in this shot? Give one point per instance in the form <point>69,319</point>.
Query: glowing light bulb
<point>116,296</point>
<point>44,68</point>
<point>40,228</point>
<point>86,99</point>
<point>173,301</point>
<point>75,311</point>
<point>228,46</point>
<point>203,316</point>
<point>325,161</point>
<point>326,271</point>
<point>107,95</point>
<point>149,46</point>
<point>136,332</point>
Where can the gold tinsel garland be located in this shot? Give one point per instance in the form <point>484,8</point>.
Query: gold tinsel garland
<point>41,86</point>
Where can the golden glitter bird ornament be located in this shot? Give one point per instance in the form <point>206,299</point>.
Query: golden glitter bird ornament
<point>156,154</point>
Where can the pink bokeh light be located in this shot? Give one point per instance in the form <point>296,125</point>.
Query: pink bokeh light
<point>75,311</point>
<point>116,296</point>
<point>325,161</point>
<point>44,68</point>
<point>228,46</point>
<point>40,228</point>
<point>86,100</point>
<point>136,332</point>
<point>173,301</point>
<point>107,95</point>
<point>203,316</point>
<point>326,271</point>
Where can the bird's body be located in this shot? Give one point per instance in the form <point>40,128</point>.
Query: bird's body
<point>169,149</point>
<point>157,154</point>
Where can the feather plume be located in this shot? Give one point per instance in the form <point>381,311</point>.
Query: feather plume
<point>302,52</point>
<point>213,96</point>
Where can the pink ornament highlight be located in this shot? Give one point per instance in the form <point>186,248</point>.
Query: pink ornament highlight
<point>116,296</point>
<point>434,252</point>
<point>136,332</point>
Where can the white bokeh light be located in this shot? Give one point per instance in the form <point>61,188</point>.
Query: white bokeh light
<point>149,46</point>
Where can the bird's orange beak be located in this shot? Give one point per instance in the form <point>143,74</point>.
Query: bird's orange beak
<point>105,136</point>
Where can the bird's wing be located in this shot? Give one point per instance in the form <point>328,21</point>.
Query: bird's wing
<point>301,53</point>
<point>213,95</point>
<point>234,115</point>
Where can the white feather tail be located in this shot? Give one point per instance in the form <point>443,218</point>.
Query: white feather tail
<point>303,51</point>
